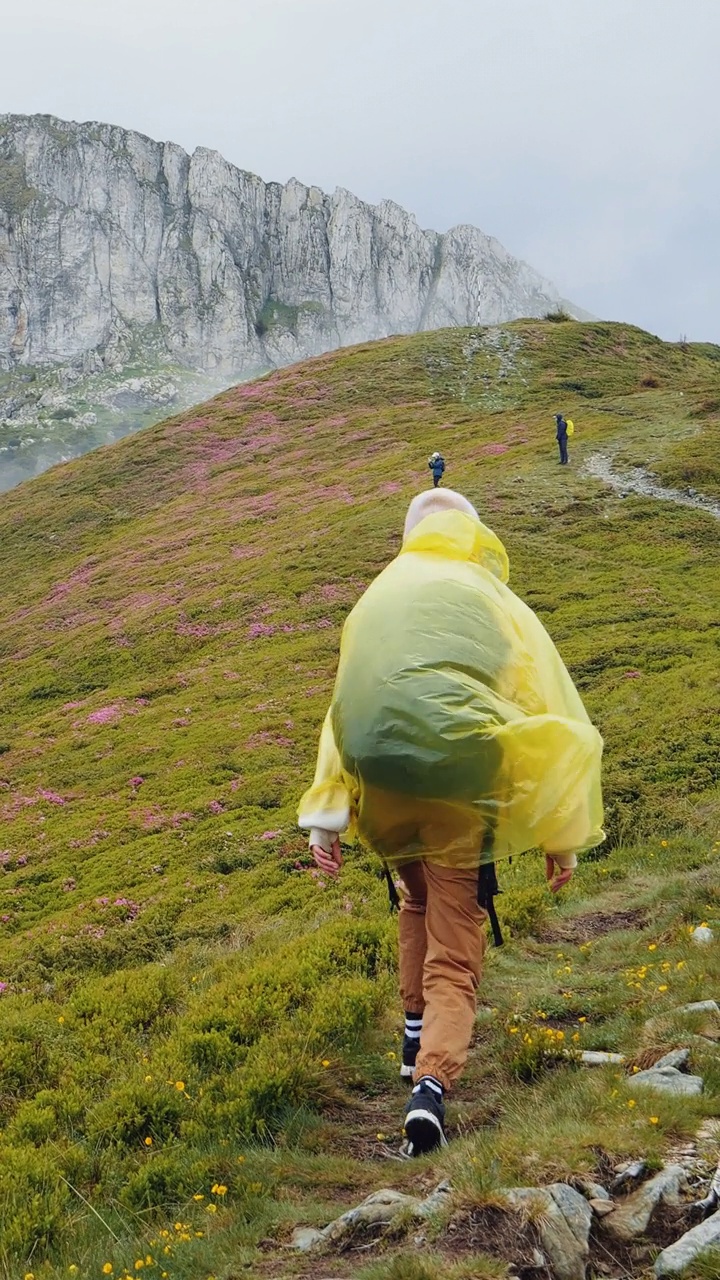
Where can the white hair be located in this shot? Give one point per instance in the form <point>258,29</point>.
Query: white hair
<point>432,502</point>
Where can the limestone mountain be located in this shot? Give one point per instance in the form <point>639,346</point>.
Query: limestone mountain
<point>109,240</point>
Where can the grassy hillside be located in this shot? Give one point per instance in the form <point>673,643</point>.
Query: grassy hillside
<point>197,1034</point>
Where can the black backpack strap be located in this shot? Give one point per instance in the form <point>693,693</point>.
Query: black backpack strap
<point>488,889</point>
<point>392,891</point>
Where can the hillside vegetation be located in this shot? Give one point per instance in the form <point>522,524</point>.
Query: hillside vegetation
<point>197,1034</point>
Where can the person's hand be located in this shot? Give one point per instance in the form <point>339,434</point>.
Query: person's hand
<point>556,876</point>
<point>330,862</point>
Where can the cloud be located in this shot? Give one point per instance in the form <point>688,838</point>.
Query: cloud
<point>584,135</point>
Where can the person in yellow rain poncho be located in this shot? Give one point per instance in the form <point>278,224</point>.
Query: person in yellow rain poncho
<point>455,738</point>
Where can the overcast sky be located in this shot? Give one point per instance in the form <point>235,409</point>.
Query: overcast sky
<point>584,134</point>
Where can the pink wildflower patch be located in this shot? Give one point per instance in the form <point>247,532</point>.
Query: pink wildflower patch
<point>258,629</point>
<point>251,391</point>
<point>265,738</point>
<point>178,818</point>
<point>136,782</point>
<point>391,486</point>
<point>193,424</point>
<point>78,578</point>
<point>269,835</point>
<point>199,630</point>
<point>216,807</point>
<point>52,797</point>
<point>259,506</point>
<point>105,715</point>
<point>261,421</point>
<point>494,450</point>
<point>335,491</point>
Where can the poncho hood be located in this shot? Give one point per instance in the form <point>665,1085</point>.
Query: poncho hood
<point>455,535</point>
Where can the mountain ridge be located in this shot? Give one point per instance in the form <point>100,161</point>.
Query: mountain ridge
<point>238,274</point>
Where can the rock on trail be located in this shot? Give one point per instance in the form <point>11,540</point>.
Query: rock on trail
<point>638,480</point>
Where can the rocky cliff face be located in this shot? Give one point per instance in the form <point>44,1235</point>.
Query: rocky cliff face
<point>112,244</point>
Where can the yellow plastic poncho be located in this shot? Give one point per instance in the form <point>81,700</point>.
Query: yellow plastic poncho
<point>454,732</point>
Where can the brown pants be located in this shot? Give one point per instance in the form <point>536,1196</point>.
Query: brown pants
<point>442,944</point>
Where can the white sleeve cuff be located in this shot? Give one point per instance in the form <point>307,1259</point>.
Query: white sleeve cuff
<point>326,820</point>
<point>325,839</point>
<point>565,861</point>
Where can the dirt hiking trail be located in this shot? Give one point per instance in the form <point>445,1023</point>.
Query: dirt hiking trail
<point>638,480</point>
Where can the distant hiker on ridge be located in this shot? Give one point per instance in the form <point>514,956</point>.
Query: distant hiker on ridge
<point>436,463</point>
<point>455,737</point>
<point>564,429</point>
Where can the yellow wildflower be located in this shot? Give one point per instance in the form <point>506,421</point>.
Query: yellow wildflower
<point>107,1268</point>
<point>582,1019</point>
<point>211,1208</point>
<point>559,1035</point>
<point>180,1084</point>
<point>148,1079</point>
<point>652,946</point>
<point>663,844</point>
<point>631,1103</point>
<point>663,987</point>
<point>326,1062</point>
<point>380,1137</point>
<point>219,1189</point>
<point>148,1142</point>
<point>199,1196</point>
<point>60,1020</point>
<point>654,1119</point>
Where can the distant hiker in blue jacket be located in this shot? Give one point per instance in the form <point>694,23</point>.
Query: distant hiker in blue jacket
<point>436,463</point>
<point>562,438</point>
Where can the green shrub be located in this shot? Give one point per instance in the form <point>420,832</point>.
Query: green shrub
<point>133,1113</point>
<point>523,910</point>
<point>34,1201</point>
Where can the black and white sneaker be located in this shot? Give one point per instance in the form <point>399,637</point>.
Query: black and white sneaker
<point>410,1050</point>
<point>425,1118</point>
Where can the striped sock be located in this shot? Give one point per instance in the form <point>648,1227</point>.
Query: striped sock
<point>413,1026</point>
<point>429,1082</point>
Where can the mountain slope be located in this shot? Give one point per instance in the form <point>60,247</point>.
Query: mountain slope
<point>184,1006</point>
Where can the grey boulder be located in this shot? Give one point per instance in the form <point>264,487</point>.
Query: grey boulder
<point>631,1218</point>
<point>668,1080</point>
<point>673,1260</point>
<point>677,1058</point>
<point>377,1210</point>
<point>563,1219</point>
